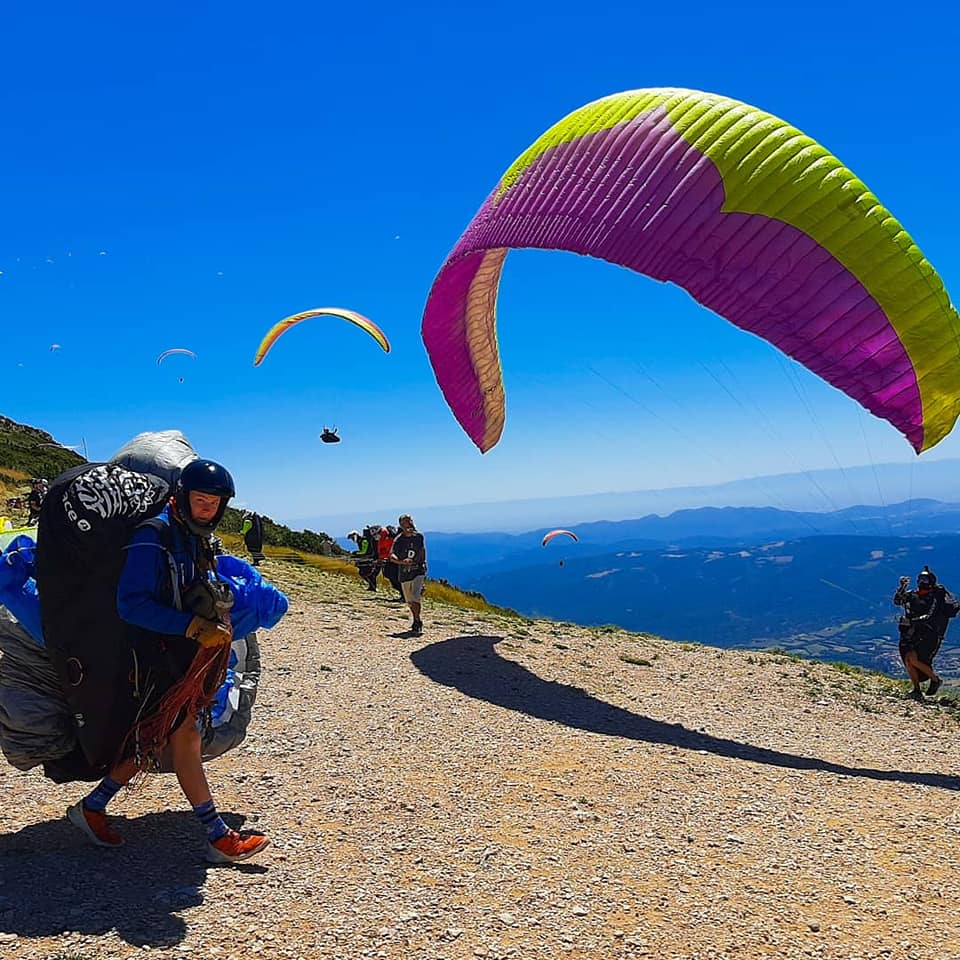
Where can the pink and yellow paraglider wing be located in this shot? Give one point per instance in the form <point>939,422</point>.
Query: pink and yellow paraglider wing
<point>758,222</point>
<point>364,323</point>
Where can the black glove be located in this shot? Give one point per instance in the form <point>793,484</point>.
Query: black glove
<point>210,599</point>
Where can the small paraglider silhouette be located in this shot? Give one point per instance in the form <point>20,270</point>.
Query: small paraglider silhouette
<point>176,351</point>
<point>555,533</point>
<point>330,435</point>
<point>54,347</point>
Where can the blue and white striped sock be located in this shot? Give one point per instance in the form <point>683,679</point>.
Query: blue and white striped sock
<point>102,795</point>
<point>211,820</point>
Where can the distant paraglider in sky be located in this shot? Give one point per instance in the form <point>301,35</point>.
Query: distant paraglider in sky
<point>175,350</point>
<point>282,326</point>
<point>754,219</point>
<point>330,435</point>
<point>556,533</point>
<point>54,347</point>
<point>547,537</point>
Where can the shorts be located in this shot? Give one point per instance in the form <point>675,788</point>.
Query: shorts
<point>924,642</point>
<point>413,589</point>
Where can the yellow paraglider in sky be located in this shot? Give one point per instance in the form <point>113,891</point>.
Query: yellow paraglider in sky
<point>282,326</point>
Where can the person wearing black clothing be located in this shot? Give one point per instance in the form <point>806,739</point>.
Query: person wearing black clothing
<point>366,556</point>
<point>35,500</point>
<point>410,554</point>
<point>922,627</point>
<point>252,531</point>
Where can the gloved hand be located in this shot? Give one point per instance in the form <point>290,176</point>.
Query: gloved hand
<point>209,633</point>
<point>210,599</point>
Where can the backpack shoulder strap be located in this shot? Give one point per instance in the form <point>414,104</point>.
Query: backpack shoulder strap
<point>165,533</point>
<point>155,523</point>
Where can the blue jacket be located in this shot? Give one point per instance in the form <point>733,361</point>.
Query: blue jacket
<point>155,574</point>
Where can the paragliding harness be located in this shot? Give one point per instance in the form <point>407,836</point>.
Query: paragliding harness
<point>330,435</point>
<point>174,676</point>
<point>85,522</point>
<point>948,606</point>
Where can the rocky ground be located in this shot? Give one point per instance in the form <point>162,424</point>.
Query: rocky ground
<point>507,788</point>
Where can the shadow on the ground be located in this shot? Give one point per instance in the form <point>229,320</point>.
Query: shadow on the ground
<point>53,881</point>
<point>472,665</point>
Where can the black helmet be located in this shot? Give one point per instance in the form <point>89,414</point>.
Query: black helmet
<point>926,578</point>
<point>203,476</point>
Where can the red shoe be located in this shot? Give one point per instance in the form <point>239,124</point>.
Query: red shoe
<point>93,825</point>
<point>233,846</point>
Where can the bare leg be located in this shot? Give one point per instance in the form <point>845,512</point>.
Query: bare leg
<point>912,673</point>
<point>919,667</point>
<point>185,748</point>
<point>123,772</point>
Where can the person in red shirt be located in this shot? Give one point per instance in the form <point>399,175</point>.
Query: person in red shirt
<point>390,570</point>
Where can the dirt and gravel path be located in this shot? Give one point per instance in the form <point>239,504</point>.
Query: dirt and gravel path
<point>505,788</point>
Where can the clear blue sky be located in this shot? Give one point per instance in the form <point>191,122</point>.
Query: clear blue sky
<point>183,176</point>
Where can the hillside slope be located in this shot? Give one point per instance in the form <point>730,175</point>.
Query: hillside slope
<point>32,452</point>
<point>511,788</point>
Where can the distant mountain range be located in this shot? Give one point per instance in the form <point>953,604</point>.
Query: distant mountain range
<point>818,585</point>
<point>474,553</point>
<point>809,491</point>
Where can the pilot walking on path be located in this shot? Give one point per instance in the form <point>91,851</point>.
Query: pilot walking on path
<point>922,627</point>
<point>410,554</point>
<point>179,614</point>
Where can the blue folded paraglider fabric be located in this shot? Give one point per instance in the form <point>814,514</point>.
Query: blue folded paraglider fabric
<point>256,603</point>
<point>18,588</point>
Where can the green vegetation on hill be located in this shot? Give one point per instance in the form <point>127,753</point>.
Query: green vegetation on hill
<point>26,452</point>
<point>278,535</point>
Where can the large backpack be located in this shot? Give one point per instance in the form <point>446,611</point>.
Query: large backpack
<point>949,604</point>
<point>85,522</point>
